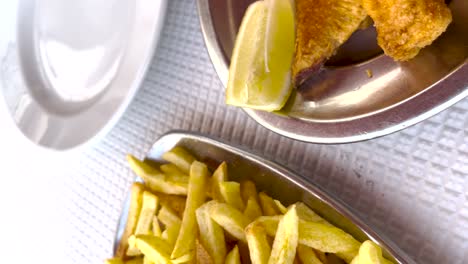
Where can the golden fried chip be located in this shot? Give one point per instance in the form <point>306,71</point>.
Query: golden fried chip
<point>146,261</point>
<point>220,175</point>
<point>202,256</point>
<point>174,202</point>
<point>197,190</point>
<point>154,179</point>
<point>259,247</point>
<point>115,260</point>
<point>269,207</point>
<point>230,191</point>
<point>280,206</point>
<point>307,214</point>
<point>252,210</point>
<point>233,257</point>
<point>147,212</point>
<point>179,157</point>
<point>155,226</point>
<point>248,189</point>
<point>286,239</point>
<point>138,260</point>
<point>211,234</point>
<point>231,219</point>
<point>132,219</point>
<point>307,255</point>
<point>154,248</point>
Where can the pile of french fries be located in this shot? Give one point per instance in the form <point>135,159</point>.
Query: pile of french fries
<point>183,214</point>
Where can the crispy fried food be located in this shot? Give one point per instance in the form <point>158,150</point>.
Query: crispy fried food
<point>259,247</point>
<point>233,257</point>
<point>230,219</point>
<point>211,234</point>
<point>179,157</point>
<point>321,27</point>
<point>230,191</point>
<point>195,198</point>
<point>154,248</point>
<point>286,239</point>
<point>307,255</point>
<point>406,26</point>
<point>155,179</point>
<point>133,215</point>
<point>252,210</point>
<point>202,256</point>
<point>269,206</point>
<point>115,260</point>
<point>145,219</point>
<point>219,176</point>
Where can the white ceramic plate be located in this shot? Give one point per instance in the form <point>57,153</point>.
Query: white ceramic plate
<point>68,69</point>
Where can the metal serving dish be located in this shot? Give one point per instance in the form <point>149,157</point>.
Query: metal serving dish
<point>272,178</point>
<point>342,103</point>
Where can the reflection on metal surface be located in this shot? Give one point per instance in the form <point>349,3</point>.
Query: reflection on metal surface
<point>342,103</point>
<point>273,179</point>
<point>69,69</point>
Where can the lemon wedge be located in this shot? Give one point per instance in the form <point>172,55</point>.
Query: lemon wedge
<point>260,70</point>
<point>370,253</point>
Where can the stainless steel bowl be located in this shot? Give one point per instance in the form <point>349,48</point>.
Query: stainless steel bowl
<point>273,179</point>
<point>343,104</point>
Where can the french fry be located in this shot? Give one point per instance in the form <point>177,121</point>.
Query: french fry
<point>174,202</point>
<point>174,174</point>
<point>220,175</point>
<point>138,260</point>
<point>319,236</point>
<point>280,206</point>
<point>321,256</point>
<point>147,261</point>
<point>155,225</point>
<point>115,260</point>
<point>233,257</point>
<point>154,248</point>
<point>196,197</point>
<point>270,223</point>
<point>355,260</point>
<point>230,219</point>
<point>132,219</point>
<point>286,239</point>
<point>259,247</point>
<point>252,210</point>
<point>326,238</point>
<point>148,210</point>
<point>172,224</point>
<point>230,191</point>
<point>184,259</point>
<point>248,189</point>
<point>371,253</point>
<point>154,179</point>
<point>168,217</point>
<point>211,234</point>
<point>307,255</point>
<point>307,214</point>
<point>334,259</point>
<point>269,207</point>
<point>202,256</point>
<point>179,157</point>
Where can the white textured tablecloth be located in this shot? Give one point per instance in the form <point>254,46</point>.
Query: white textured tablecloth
<point>412,185</point>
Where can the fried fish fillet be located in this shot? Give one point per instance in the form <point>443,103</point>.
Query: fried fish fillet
<point>321,27</point>
<point>406,26</point>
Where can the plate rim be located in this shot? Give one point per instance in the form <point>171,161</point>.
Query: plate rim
<point>374,125</point>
